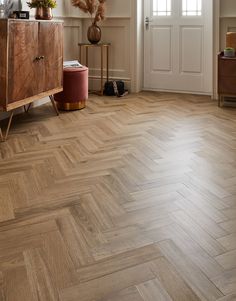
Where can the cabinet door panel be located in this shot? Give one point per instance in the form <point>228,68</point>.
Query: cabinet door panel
<point>227,67</point>
<point>23,48</point>
<point>3,63</point>
<point>226,85</point>
<point>51,48</point>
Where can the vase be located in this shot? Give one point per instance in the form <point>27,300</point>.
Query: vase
<point>43,13</point>
<point>94,34</point>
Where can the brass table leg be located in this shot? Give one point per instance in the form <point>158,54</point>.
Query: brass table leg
<point>80,54</point>
<point>54,104</point>
<point>107,63</point>
<point>86,57</point>
<point>101,70</point>
<point>104,61</point>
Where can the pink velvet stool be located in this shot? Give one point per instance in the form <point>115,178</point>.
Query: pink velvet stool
<point>75,89</point>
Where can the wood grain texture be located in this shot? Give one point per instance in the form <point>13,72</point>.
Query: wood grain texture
<point>51,47</point>
<point>104,286</point>
<point>129,294</point>
<point>172,281</point>
<point>23,49</point>
<point>228,298</point>
<point>31,62</point>
<point>7,210</point>
<point>3,62</point>
<point>26,101</point>
<point>130,199</point>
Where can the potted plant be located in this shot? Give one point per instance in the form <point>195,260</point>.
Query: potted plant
<point>229,52</point>
<point>43,8</point>
<point>96,10</point>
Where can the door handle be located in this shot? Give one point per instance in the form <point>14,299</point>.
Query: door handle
<point>147,22</point>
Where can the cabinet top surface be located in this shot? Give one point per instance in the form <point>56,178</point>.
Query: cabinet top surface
<point>30,20</point>
<point>222,57</point>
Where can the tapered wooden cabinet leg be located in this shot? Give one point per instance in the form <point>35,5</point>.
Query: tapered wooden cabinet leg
<point>9,125</point>
<point>221,101</point>
<point>54,104</point>
<point>2,137</point>
<point>26,108</point>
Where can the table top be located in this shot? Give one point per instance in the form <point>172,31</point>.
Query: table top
<point>94,45</point>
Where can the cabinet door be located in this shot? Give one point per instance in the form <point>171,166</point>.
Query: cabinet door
<point>51,48</point>
<point>226,75</point>
<point>3,63</point>
<point>23,48</point>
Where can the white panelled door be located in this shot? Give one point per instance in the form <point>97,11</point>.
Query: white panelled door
<point>178,45</point>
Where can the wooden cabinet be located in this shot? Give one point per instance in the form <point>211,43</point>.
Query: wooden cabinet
<point>226,77</point>
<point>21,65</point>
<point>31,61</point>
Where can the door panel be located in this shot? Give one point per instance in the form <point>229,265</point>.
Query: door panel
<point>23,48</point>
<point>161,44</point>
<point>178,41</point>
<point>50,48</point>
<point>190,50</point>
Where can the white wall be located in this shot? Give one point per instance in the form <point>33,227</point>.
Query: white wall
<point>227,19</point>
<point>228,8</point>
<point>115,8</point>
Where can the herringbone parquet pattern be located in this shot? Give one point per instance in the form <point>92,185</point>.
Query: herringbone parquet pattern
<point>130,199</point>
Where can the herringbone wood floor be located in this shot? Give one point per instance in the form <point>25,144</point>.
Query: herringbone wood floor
<point>130,199</point>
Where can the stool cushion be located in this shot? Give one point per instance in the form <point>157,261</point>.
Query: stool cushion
<point>75,86</point>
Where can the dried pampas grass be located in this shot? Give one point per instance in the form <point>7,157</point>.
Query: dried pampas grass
<point>96,8</point>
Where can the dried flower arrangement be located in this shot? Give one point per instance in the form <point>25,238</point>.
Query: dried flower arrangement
<point>42,3</point>
<point>96,8</point>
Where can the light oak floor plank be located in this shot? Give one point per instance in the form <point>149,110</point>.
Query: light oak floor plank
<point>129,199</point>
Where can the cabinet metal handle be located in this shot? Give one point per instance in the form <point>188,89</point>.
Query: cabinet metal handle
<point>38,58</point>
